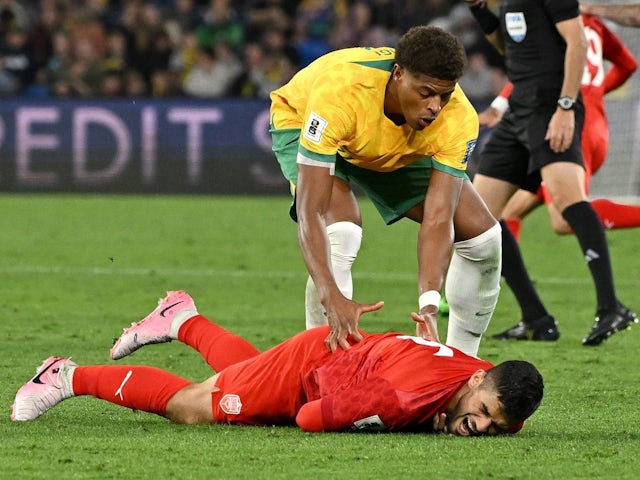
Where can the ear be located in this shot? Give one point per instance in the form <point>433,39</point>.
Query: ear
<point>477,378</point>
<point>397,71</point>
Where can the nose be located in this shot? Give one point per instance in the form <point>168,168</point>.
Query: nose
<point>435,103</point>
<point>483,424</point>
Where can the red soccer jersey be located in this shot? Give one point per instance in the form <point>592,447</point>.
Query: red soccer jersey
<point>603,45</point>
<point>388,382</point>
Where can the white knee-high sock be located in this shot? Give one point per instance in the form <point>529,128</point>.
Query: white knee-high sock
<point>472,288</point>
<point>345,239</point>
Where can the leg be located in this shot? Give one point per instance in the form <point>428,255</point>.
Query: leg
<point>536,322</point>
<point>192,404</point>
<point>521,204</point>
<point>133,386</point>
<point>176,317</point>
<point>616,215</point>
<point>473,277</point>
<point>495,193</point>
<point>565,182</point>
<point>345,234</point>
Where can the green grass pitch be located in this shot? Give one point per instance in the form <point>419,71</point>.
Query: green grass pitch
<point>75,270</point>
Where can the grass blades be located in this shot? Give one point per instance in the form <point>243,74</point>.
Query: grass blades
<point>77,269</point>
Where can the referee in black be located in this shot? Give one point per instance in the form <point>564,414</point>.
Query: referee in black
<point>538,140</point>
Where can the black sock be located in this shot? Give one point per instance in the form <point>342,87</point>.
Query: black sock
<point>516,275</point>
<point>590,234</point>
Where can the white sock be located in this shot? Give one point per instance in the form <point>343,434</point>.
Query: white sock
<point>66,376</point>
<point>178,320</point>
<point>472,288</point>
<point>345,239</point>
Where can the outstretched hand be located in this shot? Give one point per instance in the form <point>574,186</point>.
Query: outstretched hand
<point>426,325</point>
<point>343,319</point>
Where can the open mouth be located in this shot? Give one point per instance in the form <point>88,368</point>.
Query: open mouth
<point>425,122</point>
<point>467,429</point>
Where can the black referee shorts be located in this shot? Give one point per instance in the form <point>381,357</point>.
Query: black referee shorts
<point>517,149</point>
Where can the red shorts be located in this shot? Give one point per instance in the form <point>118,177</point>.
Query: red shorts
<point>269,389</point>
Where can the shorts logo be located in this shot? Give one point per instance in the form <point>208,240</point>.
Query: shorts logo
<point>516,25</point>
<point>471,145</point>
<point>314,128</point>
<point>231,404</point>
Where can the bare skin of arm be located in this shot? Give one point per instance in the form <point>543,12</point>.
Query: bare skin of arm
<point>562,124</point>
<point>435,241</point>
<point>313,198</point>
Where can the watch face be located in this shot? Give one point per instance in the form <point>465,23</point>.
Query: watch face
<point>566,103</point>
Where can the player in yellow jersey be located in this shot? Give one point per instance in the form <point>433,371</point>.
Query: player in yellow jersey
<point>395,123</point>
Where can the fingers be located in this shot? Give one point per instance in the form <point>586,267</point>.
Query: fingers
<point>427,326</point>
<point>371,307</point>
<point>440,422</point>
<point>342,330</point>
<point>338,337</point>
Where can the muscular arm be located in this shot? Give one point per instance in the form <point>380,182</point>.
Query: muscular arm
<point>313,197</point>
<point>575,57</point>
<point>435,240</point>
<point>562,124</point>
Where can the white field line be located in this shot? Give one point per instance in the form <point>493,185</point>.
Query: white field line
<point>205,272</point>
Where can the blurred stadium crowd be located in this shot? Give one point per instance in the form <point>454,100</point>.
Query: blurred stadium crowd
<point>208,48</point>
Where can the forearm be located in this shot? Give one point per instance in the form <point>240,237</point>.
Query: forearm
<point>316,253</point>
<point>575,56</point>
<point>573,68</point>
<point>435,241</point>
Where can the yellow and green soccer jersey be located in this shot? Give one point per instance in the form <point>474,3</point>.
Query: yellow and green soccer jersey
<point>337,102</point>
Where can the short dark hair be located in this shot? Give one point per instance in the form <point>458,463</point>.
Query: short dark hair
<point>432,51</point>
<point>519,386</point>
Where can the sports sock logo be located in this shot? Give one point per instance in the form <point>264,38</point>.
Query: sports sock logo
<point>126,379</point>
<point>591,255</point>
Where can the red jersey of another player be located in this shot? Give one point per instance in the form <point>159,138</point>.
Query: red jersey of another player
<point>385,382</point>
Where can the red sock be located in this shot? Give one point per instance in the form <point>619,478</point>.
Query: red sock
<point>142,388</point>
<point>616,215</point>
<point>219,347</point>
<point>514,225</point>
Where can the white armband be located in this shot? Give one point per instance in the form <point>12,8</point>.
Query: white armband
<point>500,103</point>
<point>430,297</point>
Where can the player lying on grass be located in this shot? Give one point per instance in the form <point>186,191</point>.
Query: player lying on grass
<point>386,382</point>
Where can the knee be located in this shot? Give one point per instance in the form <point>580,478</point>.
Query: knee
<point>345,238</point>
<point>560,227</point>
<point>486,247</point>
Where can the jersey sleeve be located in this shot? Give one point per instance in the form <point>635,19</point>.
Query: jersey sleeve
<point>325,124</point>
<point>623,62</point>
<point>561,10</point>
<point>459,134</point>
<point>353,408</point>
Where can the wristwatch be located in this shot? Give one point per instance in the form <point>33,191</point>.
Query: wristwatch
<point>566,103</point>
